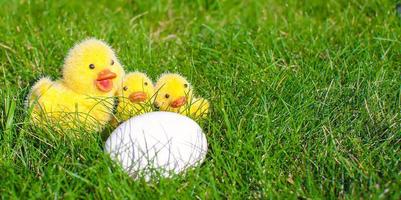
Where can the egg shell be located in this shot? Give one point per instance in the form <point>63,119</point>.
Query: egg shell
<point>163,142</point>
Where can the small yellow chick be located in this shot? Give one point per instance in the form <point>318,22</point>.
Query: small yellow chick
<point>174,93</point>
<point>134,96</point>
<point>84,96</point>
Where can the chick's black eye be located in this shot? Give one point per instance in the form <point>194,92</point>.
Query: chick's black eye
<point>125,88</point>
<point>112,62</point>
<point>146,83</point>
<point>167,96</point>
<point>185,85</point>
<point>91,66</point>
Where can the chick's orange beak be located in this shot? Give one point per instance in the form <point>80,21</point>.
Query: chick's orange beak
<point>178,102</point>
<point>104,80</point>
<point>137,97</point>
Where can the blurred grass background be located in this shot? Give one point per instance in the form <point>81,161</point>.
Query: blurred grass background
<point>305,94</point>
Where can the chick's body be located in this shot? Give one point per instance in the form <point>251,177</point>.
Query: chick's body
<point>199,107</point>
<point>174,93</point>
<point>134,96</point>
<point>84,96</point>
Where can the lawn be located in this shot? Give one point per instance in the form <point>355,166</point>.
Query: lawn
<point>306,96</point>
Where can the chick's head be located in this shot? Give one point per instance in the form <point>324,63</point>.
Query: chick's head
<point>91,67</point>
<point>136,87</point>
<point>172,92</point>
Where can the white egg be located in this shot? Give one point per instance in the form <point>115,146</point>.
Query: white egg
<point>163,142</point>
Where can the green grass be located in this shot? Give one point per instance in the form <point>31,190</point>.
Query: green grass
<point>306,96</point>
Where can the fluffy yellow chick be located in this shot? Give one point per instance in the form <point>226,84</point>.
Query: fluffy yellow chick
<point>134,96</point>
<point>175,94</point>
<point>84,96</point>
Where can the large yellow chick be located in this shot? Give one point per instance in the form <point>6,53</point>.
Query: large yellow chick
<point>134,96</point>
<point>174,93</point>
<point>83,98</point>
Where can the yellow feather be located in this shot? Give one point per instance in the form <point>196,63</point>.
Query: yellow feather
<point>199,108</point>
<point>77,99</point>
